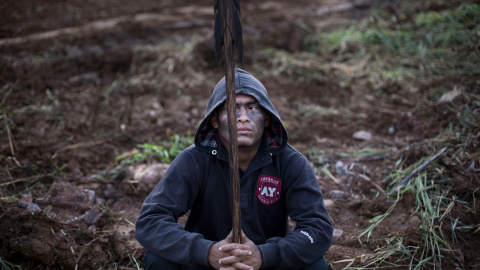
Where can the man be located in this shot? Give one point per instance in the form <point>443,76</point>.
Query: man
<point>276,182</point>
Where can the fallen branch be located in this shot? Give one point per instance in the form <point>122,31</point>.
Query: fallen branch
<point>417,170</point>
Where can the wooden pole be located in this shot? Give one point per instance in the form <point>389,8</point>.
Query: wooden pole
<point>228,34</point>
<point>232,122</point>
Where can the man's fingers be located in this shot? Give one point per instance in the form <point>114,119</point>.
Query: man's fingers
<point>233,246</point>
<point>235,265</point>
<point>230,237</point>
<point>228,260</point>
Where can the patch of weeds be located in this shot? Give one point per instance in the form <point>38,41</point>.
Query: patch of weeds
<point>166,151</point>
<point>433,207</point>
<point>394,247</point>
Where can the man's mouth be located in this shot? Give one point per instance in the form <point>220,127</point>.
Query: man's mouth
<point>243,131</point>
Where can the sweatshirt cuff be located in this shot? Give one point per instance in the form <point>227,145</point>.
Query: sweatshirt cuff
<point>200,250</point>
<point>270,257</point>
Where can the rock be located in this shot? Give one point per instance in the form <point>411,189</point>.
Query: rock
<point>454,98</point>
<point>450,96</point>
<point>447,161</point>
<point>109,191</point>
<point>328,203</point>
<point>92,228</point>
<point>362,135</point>
<point>336,194</point>
<point>33,207</point>
<point>337,233</point>
<point>68,196</point>
<point>100,201</point>
<point>25,201</point>
<point>91,217</point>
<point>341,168</point>
<point>141,179</point>
<point>91,195</point>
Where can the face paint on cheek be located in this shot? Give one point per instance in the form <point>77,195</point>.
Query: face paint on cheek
<point>256,118</point>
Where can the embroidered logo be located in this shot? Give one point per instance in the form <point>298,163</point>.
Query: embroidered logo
<point>269,189</point>
<point>307,235</point>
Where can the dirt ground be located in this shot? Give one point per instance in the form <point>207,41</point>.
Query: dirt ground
<point>84,82</point>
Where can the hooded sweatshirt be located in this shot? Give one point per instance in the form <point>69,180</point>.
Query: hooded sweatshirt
<point>279,183</point>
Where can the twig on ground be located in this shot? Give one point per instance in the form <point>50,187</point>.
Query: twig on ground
<point>83,250</point>
<point>417,170</point>
<point>373,183</point>
<point>78,145</point>
<point>360,159</point>
<point>25,179</point>
<point>329,174</point>
<point>9,133</point>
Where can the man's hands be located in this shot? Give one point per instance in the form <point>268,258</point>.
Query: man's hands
<point>226,255</point>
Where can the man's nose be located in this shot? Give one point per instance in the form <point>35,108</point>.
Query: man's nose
<point>242,115</point>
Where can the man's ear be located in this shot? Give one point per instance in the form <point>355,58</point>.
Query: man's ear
<point>214,119</point>
<point>267,119</point>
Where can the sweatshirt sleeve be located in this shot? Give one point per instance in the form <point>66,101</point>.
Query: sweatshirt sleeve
<point>312,236</point>
<point>157,229</point>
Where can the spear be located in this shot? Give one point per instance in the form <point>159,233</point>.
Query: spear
<point>228,32</point>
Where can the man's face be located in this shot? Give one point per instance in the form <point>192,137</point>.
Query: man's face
<point>251,121</point>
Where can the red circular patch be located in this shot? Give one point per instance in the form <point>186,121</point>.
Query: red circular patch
<point>269,189</point>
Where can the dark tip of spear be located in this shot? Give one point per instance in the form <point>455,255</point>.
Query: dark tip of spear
<point>234,28</point>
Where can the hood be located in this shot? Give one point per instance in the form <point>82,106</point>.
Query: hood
<point>275,134</point>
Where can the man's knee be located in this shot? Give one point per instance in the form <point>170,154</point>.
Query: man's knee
<point>153,262</point>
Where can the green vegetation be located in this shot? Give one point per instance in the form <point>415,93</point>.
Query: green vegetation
<point>166,151</point>
<point>380,51</point>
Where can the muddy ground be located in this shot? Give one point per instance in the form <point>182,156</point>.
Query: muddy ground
<point>83,82</point>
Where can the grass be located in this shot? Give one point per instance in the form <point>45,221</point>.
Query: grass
<point>432,47</point>
<point>434,204</point>
<point>433,208</point>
